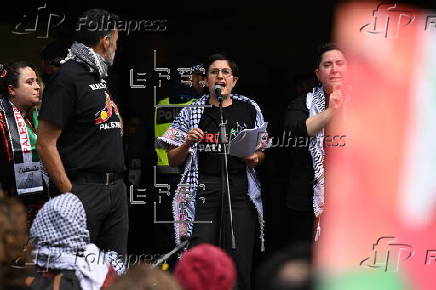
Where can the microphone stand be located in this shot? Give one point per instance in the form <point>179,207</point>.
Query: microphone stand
<point>166,256</point>
<point>224,180</point>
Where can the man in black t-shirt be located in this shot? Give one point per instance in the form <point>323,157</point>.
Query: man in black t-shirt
<point>80,131</point>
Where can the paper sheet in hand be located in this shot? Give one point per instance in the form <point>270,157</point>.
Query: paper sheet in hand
<point>246,142</point>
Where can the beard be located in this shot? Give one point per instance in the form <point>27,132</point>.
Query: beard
<point>109,56</point>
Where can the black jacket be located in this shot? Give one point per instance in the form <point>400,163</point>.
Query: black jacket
<point>300,187</point>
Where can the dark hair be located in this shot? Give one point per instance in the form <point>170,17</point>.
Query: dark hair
<point>10,74</point>
<point>219,56</point>
<point>53,51</point>
<point>322,49</point>
<point>95,24</point>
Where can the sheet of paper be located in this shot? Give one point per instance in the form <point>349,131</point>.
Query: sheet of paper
<point>246,142</point>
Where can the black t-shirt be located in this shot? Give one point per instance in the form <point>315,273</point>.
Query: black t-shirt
<point>80,104</point>
<point>239,115</point>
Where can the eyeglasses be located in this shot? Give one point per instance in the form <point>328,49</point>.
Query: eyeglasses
<point>225,71</point>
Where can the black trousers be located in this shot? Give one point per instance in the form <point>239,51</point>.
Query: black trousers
<point>208,206</point>
<point>106,214</point>
<point>300,226</point>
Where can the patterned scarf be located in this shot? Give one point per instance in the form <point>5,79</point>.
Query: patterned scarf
<point>86,55</point>
<point>60,240</point>
<point>316,104</point>
<point>29,173</point>
<point>184,199</point>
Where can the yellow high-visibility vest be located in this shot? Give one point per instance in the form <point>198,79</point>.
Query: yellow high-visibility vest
<point>163,117</point>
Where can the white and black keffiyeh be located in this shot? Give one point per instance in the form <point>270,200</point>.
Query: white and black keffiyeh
<point>315,102</point>
<point>184,199</point>
<point>60,226</point>
<point>60,241</point>
<point>86,55</point>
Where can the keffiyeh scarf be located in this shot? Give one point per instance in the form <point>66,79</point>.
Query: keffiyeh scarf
<point>60,241</point>
<point>185,194</point>
<point>86,55</point>
<point>315,102</point>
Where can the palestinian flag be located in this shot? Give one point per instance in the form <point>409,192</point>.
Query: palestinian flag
<point>379,223</point>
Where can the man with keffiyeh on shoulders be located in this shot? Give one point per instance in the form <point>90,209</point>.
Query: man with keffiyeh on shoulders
<point>81,132</point>
<point>192,142</point>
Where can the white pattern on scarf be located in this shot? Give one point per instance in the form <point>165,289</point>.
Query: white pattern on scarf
<point>86,55</point>
<point>315,102</point>
<point>60,240</point>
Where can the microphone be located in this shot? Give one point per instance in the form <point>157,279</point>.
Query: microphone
<point>217,90</point>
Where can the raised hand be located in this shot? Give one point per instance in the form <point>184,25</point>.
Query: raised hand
<point>336,98</point>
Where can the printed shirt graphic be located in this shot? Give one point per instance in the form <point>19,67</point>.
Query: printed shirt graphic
<point>211,143</point>
<point>239,116</point>
<point>104,115</point>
